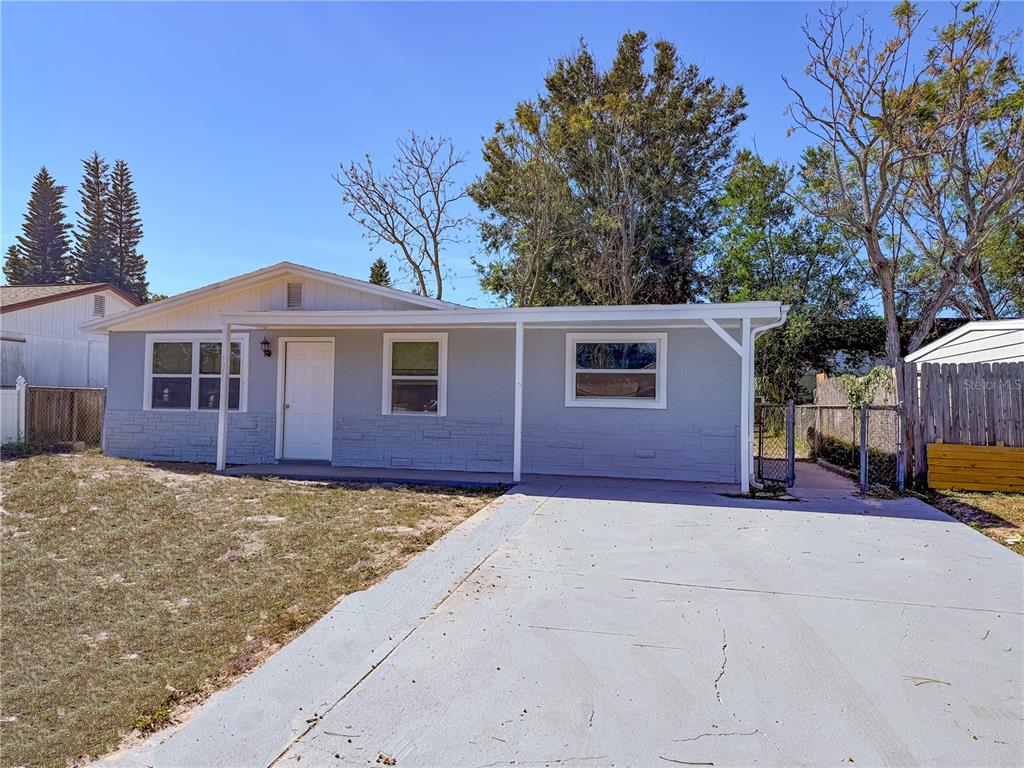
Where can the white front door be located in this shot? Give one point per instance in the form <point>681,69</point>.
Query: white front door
<point>308,399</point>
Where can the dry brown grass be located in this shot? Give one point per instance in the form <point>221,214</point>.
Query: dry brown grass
<point>131,590</point>
<point>999,516</point>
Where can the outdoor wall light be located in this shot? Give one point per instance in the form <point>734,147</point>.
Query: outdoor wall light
<point>265,346</point>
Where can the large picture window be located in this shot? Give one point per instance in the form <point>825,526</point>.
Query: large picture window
<point>183,372</point>
<point>615,370</point>
<point>415,373</point>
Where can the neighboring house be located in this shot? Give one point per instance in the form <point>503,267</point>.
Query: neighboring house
<point>327,368</point>
<point>42,339</point>
<point>982,341</point>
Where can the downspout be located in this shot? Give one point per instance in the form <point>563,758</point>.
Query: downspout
<point>783,314</point>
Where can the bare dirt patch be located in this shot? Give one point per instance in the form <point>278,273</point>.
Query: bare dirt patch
<point>131,591</point>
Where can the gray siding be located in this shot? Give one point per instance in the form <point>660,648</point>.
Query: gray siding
<point>694,438</point>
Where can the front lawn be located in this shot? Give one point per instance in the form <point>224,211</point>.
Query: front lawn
<point>131,590</point>
<point>999,516</point>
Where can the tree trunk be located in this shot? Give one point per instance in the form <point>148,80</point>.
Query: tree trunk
<point>885,272</point>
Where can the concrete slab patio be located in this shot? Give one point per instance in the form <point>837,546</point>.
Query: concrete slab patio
<point>591,623</point>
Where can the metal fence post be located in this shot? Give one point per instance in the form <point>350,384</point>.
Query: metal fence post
<point>790,443</point>
<point>863,446</point>
<point>901,459</point>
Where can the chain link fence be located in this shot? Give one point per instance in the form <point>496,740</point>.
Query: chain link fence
<point>773,443</point>
<point>865,441</point>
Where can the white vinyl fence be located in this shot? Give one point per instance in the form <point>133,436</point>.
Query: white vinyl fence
<point>12,412</point>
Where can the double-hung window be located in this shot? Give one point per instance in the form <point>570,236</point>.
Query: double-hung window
<point>183,372</point>
<point>415,373</point>
<point>625,370</point>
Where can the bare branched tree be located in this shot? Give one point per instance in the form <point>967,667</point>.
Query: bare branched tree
<point>923,164</point>
<point>863,163</point>
<point>413,207</point>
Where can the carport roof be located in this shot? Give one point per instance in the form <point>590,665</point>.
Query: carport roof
<point>660,315</point>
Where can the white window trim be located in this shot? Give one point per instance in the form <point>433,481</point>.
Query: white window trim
<point>661,345</point>
<point>196,339</point>
<point>442,373</point>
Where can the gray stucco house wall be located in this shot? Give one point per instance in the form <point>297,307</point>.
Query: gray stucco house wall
<point>696,437</point>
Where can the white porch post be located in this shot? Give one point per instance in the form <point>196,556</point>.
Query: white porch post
<point>222,416</point>
<point>746,428</point>
<point>517,429</point>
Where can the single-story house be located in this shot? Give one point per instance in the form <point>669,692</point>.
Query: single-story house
<point>981,341</point>
<point>331,369</point>
<point>41,338</point>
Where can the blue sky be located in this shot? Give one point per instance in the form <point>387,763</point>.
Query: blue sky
<point>233,116</point>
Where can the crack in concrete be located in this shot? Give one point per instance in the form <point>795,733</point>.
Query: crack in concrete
<point>729,733</point>
<point>721,671</point>
<point>588,631</point>
<point>779,593</point>
<point>541,762</point>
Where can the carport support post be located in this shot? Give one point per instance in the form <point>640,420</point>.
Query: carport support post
<point>746,407</point>
<point>517,429</point>
<point>222,416</point>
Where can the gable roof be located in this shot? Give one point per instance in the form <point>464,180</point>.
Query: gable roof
<point>967,329</point>
<point>258,276</point>
<point>13,297</point>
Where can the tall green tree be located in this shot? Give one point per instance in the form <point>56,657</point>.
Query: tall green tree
<point>766,249</point>
<point>601,190</point>
<point>41,253</point>
<point>92,253</point>
<point>379,274</point>
<point>124,230</point>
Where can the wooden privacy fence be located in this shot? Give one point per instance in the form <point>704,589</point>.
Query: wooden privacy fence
<point>977,404</point>
<point>64,414</point>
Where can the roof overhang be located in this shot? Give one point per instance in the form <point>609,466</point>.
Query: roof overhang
<point>655,315</point>
<point>83,291</point>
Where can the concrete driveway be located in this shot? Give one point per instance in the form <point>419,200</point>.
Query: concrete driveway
<point>646,624</point>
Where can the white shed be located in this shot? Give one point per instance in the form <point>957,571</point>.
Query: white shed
<point>40,335</point>
<point>983,341</point>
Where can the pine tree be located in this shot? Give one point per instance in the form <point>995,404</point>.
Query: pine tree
<point>124,226</point>
<point>41,254</point>
<point>379,274</point>
<point>92,252</point>
<point>14,265</point>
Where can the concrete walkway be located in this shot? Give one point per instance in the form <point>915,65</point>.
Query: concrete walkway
<point>632,624</point>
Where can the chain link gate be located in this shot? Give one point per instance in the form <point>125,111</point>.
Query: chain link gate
<point>775,443</point>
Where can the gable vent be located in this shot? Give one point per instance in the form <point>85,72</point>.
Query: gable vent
<point>99,305</point>
<point>294,295</point>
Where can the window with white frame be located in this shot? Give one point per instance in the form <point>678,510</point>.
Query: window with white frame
<point>183,372</point>
<point>415,373</point>
<point>625,370</point>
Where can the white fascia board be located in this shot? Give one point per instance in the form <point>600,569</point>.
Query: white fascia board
<point>767,311</point>
<point>104,324</point>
